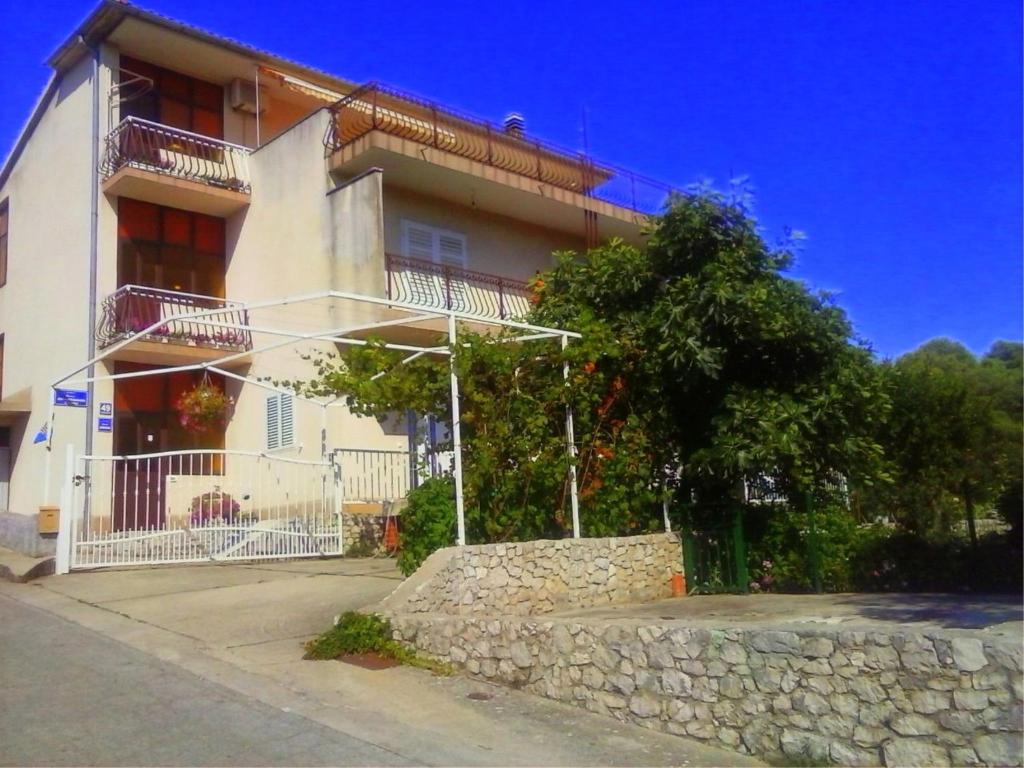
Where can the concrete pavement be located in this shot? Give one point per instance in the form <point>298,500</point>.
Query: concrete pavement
<point>996,615</point>
<point>74,697</point>
<point>240,628</point>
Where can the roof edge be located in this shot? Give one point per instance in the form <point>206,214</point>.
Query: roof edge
<point>29,128</point>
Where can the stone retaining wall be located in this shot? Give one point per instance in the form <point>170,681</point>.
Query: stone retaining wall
<point>363,533</point>
<point>541,576</point>
<point>850,697</point>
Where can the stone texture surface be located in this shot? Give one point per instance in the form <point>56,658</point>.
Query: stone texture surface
<point>894,698</point>
<point>889,696</point>
<point>538,577</point>
<point>363,532</point>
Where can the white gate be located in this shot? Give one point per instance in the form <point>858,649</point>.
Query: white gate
<point>198,506</point>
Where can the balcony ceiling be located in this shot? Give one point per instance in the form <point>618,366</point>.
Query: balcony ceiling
<point>163,189</point>
<point>440,174</point>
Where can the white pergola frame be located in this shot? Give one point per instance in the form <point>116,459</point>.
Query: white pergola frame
<point>414,313</point>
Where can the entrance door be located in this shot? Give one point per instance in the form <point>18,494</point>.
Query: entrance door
<point>147,429</point>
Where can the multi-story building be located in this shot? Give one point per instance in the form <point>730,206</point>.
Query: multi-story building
<point>170,189</point>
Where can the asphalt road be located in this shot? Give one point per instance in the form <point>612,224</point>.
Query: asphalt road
<point>69,696</point>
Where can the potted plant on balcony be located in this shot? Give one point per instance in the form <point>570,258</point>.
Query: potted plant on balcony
<point>204,407</point>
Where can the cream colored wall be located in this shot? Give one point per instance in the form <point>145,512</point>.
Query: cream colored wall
<point>277,117</point>
<point>297,239</point>
<point>44,305</point>
<point>494,244</point>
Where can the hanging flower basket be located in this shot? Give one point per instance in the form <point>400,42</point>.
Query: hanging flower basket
<point>204,407</point>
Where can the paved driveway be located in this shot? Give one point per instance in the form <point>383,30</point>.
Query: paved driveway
<point>227,640</point>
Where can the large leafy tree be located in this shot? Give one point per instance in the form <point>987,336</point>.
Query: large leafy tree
<point>701,363</point>
<point>954,435</point>
<point>730,368</point>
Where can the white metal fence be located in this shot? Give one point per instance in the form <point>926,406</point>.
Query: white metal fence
<point>380,475</point>
<point>195,506</point>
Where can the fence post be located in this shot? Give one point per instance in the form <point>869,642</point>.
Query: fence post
<point>815,553</point>
<point>739,549</point>
<point>339,499</point>
<point>447,287</point>
<point>501,298</point>
<point>65,530</point>
<point>689,558</point>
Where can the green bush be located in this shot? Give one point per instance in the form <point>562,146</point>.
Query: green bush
<point>428,522</point>
<point>872,558</point>
<point>779,547</point>
<point>354,633</point>
<point>357,632</point>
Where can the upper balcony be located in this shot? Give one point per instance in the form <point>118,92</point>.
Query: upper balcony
<point>443,286</point>
<point>167,166</point>
<point>431,149</point>
<point>175,336</point>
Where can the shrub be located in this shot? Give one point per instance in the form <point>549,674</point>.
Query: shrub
<point>356,632</point>
<point>428,522</point>
<point>872,558</point>
<point>353,633</point>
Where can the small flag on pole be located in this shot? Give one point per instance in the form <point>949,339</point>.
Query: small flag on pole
<point>42,434</point>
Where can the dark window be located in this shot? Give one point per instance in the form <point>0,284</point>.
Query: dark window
<point>175,100</point>
<point>4,218</point>
<point>167,248</point>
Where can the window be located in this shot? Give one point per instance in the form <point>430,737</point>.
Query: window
<point>448,249</point>
<point>280,421</point>
<point>175,100</point>
<point>4,217</point>
<point>1,366</point>
<point>171,249</point>
<point>440,246</point>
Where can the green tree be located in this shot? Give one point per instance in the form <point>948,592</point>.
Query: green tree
<point>698,354</point>
<point>954,435</point>
<point>731,368</point>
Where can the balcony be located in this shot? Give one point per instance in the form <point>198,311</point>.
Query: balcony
<point>178,338</point>
<point>171,167</point>
<point>430,285</point>
<point>378,126</point>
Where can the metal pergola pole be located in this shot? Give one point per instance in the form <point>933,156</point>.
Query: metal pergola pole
<point>570,447</point>
<point>460,509</point>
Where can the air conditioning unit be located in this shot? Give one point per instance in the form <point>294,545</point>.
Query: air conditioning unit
<point>243,96</point>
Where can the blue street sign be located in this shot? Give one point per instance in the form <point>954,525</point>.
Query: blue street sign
<point>76,398</point>
<point>105,424</point>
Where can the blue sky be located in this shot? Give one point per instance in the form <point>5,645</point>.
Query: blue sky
<point>889,132</point>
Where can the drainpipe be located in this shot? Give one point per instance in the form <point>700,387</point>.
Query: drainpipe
<point>94,202</point>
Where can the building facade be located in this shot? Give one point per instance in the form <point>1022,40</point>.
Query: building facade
<point>167,173</point>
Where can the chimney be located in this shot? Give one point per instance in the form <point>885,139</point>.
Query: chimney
<point>515,125</point>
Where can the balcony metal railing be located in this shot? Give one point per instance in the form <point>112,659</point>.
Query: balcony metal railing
<point>137,143</point>
<point>132,309</point>
<point>443,286</point>
<point>375,107</point>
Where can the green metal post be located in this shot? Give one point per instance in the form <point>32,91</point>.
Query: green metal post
<point>815,553</point>
<point>689,559</point>
<point>739,549</point>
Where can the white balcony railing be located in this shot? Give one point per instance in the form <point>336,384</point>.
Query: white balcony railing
<point>137,143</point>
<point>443,286</point>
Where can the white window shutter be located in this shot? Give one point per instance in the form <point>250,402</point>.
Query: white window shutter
<point>419,242</point>
<point>287,420</point>
<point>273,423</point>
<point>452,249</point>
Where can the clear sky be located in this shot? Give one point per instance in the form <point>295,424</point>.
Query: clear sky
<point>890,132</point>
